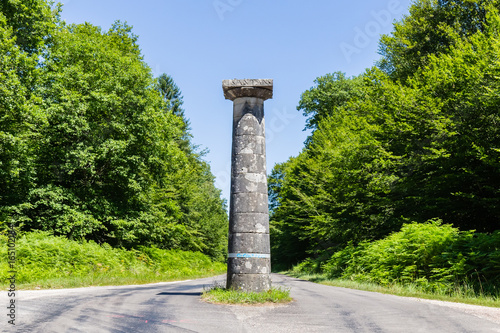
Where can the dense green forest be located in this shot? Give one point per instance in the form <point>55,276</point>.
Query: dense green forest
<point>414,138</point>
<point>92,146</point>
<point>399,181</point>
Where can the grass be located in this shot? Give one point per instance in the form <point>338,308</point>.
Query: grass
<point>48,262</point>
<point>461,294</point>
<point>219,295</point>
<point>110,279</point>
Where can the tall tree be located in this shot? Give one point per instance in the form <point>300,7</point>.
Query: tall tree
<point>171,94</point>
<point>173,99</point>
<point>33,22</point>
<point>91,145</point>
<point>431,28</point>
<point>24,26</point>
<point>419,141</point>
<point>330,92</point>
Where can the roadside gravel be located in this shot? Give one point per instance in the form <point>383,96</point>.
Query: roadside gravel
<point>484,312</point>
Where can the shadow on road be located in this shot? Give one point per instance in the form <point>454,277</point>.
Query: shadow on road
<point>179,294</point>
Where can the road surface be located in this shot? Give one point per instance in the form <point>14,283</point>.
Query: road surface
<point>176,307</point>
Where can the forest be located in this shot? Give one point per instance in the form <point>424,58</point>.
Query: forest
<point>399,181</point>
<point>93,147</point>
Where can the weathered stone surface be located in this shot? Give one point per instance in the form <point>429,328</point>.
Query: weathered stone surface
<point>248,124</point>
<point>261,88</point>
<point>249,214</point>
<point>249,203</point>
<point>249,222</point>
<point>249,243</point>
<point>249,144</point>
<point>249,282</point>
<point>263,83</point>
<point>249,266</point>
<point>249,163</point>
<point>248,106</point>
<point>248,183</point>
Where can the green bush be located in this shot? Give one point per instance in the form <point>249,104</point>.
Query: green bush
<point>435,257</point>
<point>340,261</point>
<point>409,255</point>
<point>45,260</point>
<point>308,266</point>
<point>476,258</point>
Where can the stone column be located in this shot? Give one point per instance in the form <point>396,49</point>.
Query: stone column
<point>249,259</point>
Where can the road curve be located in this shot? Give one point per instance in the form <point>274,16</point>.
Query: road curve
<point>176,307</point>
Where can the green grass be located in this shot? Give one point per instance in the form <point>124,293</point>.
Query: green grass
<point>461,294</point>
<point>115,279</point>
<point>220,295</point>
<point>48,262</point>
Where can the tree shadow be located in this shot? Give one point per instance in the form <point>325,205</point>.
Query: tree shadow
<point>178,293</point>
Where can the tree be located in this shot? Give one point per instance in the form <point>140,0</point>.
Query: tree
<point>112,162</point>
<point>171,94</point>
<point>20,111</point>
<point>331,91</point>
<point>91,145</point>
<point>416,142</point>
<point>431,28</point>
<point>94,161</point>
<point>33,22</point>
<point>172,97</point>
<point>335,191</point>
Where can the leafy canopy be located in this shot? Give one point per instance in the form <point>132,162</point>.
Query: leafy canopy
<point>413,139</point>
<point>92,145</point>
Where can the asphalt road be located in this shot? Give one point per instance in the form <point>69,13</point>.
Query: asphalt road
<point>176,307</point>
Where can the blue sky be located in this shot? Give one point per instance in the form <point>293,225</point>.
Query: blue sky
<point>202,42</point>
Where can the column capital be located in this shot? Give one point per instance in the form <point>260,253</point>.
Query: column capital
<point>260,88</point>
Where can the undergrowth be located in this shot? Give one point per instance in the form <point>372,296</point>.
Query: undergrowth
<point>425,260</point>
<point>46,261</point>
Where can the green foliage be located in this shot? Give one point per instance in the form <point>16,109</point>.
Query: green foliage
<point>48,261</point>
<point>415,140</point>
<point>431,28</point>
<point>451,148</point>
<point>432,256</point>
<point>172,97</point>
<point>91,145</point>
<point>340,261</point>
<point>409,255</point>
<point>20,115</point>
<point>331,91</point>
<point>33,22</point>
<point>463,293</point>
<point>335,191</point>
<point>171,94</point>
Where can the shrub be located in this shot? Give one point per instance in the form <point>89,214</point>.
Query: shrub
<point>42,257</point>
<point>436,257</point>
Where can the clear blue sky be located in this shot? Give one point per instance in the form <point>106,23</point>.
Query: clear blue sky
<point>202,42</point>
